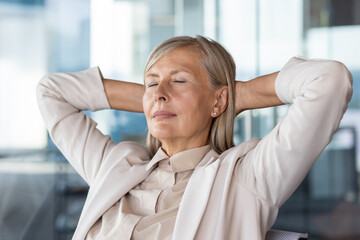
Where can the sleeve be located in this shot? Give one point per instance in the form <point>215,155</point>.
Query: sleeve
<point>318,91</point>
<point>61,99</point>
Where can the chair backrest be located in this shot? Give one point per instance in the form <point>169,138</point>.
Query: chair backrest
<point>273,234</point>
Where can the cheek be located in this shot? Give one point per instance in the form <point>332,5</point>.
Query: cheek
<point>147,111</point>
<point>147,104</point>
<point>197,108</point>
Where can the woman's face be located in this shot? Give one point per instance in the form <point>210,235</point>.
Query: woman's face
<point>178,101</point>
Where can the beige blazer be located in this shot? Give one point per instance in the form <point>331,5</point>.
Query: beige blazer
<point>235,195</point>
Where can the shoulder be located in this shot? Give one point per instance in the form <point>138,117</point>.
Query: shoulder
<point>240,150</point>
<point>133,152</point>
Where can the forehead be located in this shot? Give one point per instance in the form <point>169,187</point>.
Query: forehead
<point>182,58</point>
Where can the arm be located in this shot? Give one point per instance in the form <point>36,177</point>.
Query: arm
<point>61,99</point>
<point>124,95</point>
<point>318,91</point>
<point>256,93</point>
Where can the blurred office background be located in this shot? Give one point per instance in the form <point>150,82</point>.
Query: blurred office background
<point>41,196</point>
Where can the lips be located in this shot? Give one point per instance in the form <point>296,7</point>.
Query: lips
<point>161,115</point>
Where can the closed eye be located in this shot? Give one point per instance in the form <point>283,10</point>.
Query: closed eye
<point>152,84</point>
<point>180,81</point>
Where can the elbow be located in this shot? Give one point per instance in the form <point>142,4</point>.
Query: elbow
<point>338,79</point>
<point>43,88</point>
<point>343,79</point>
<point>40,87</point>
<point>346,81</point>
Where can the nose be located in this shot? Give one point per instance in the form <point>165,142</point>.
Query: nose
<point>161,93</point>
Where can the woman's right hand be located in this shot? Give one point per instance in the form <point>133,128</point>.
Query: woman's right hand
<point>124,96</point>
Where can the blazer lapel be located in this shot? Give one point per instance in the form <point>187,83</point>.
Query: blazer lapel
<point>103,195</point>
<point>195,197</point>
<point>213,171</point>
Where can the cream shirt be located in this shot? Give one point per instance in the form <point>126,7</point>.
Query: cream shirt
<point>149,210</point>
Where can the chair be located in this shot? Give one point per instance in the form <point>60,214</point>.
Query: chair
<point>273,234</point>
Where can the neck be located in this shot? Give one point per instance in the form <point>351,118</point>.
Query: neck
<point>174,146</point>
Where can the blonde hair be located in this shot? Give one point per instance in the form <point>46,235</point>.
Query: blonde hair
<point>220,68</point>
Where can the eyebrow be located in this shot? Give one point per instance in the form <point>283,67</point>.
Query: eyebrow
<point>171,73</point>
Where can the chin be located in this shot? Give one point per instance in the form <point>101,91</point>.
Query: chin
<point>161,137</point>
<point>162,134</point>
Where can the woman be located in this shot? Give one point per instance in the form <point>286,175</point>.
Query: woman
<point>192,182</point>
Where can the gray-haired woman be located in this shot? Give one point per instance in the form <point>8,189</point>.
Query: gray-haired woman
<point>191,182</point>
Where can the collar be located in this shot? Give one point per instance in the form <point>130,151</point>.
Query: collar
<point>181,161</point>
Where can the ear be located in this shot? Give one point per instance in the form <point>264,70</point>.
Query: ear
<point>221,101</point>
